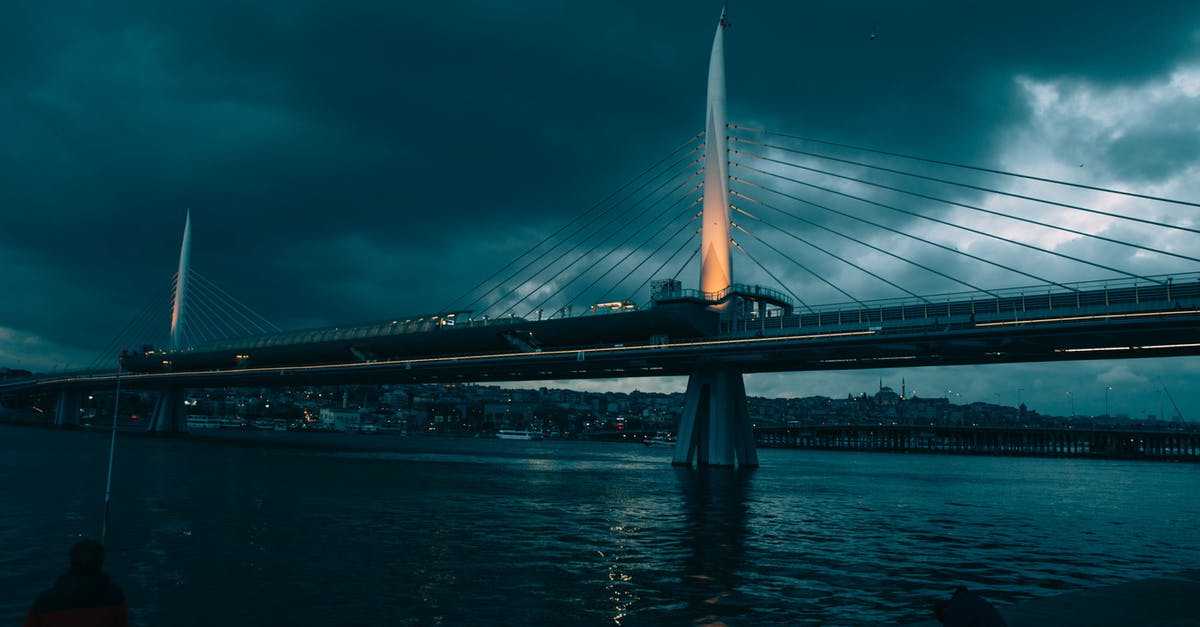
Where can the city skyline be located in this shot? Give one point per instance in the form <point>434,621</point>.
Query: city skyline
<point>342,164</point>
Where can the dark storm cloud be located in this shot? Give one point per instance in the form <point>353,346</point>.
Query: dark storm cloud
<point>353,161</point>
<point>938,76</point>
<point>1151,154</point>
<point>283,123</point>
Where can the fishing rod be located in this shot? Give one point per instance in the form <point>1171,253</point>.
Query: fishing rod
<point>112,447</point>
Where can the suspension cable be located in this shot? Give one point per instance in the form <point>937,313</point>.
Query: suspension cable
<point>237,322</point>
<point>772,274</point>
<point>827,252</point>
<point>899,232</point>
<point>666,261</point>
<point>692,256</point>
<point>595,246</point>
<point>116,341</point>
<point>989,211</point>
<point>151,329</point>
<point>793,260</point>
<point>239,307</point>
<point>854,239</point>
<point>626,241</point>
<point>971,167</point>
<point>199,300</point>
<point>633,250</point>
<point>207,301</point>
<point>201,325</point>
<point>957,226</point>
<point>648,257</point>
<point>588,213</point>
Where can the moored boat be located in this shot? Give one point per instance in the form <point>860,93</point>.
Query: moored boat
<point>518,434</point>
<point>661,439</point>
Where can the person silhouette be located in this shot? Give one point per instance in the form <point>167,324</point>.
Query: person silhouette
<point>967,609</point>
<point>83,596</point>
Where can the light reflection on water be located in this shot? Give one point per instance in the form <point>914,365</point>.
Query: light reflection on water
<point>474,532</point>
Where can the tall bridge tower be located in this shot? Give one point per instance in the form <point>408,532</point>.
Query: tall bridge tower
<point>716,263</point>
<point>181,280</point>
<point>715,428</point>
<point>169,415</point>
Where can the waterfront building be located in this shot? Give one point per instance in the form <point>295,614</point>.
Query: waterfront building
<point>340,419</point>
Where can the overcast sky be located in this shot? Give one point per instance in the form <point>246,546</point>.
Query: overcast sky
<point>356,161</point>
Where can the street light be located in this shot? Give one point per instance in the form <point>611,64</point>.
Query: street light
<point>1071,396</point>
<point>1107,388</point>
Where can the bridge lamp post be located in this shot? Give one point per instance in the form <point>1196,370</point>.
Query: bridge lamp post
<point>1107,389</point>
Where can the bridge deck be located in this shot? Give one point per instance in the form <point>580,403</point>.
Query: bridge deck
<point>1157,320</point>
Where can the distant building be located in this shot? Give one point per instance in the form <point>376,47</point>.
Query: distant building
<point>340,419</point>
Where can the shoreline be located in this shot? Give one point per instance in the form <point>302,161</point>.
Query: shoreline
<point>385,441</point>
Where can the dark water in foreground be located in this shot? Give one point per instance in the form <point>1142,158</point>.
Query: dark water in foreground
<point>481,532</point>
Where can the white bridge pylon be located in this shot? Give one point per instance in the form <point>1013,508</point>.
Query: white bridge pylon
<point>181,281</point>
<point>715,429</point>
<point>170,415</point>
<point>716,263</point>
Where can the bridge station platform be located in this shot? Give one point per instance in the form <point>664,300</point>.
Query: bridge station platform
<point>1168,601</point>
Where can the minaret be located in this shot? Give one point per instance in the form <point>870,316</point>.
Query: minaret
<point>181,277</point>
<point>716,264</point>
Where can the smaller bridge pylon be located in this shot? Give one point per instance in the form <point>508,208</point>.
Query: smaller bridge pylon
<point>180,300</point>
<point>170,415</point>
<point>67,408</point>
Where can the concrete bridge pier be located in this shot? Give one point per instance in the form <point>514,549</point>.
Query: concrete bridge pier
<point>66,408</point>
<point>169,415</point>
<point>715,427</point>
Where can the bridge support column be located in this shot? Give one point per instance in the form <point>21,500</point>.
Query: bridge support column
<point>169,414</point>
<point>715,427</point>
<point>66,408</point>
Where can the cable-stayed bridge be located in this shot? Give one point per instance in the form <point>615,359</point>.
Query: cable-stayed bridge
<point>906,253</point>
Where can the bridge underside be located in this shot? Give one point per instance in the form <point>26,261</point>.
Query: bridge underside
<point>66,407</point>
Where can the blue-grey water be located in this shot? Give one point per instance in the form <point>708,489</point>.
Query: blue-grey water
<point>483,532</point>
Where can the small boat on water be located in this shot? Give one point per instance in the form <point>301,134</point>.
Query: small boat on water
<point>661,439</point>
<point>518,434</point>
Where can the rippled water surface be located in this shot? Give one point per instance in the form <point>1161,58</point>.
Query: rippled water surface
<point>424,531</point>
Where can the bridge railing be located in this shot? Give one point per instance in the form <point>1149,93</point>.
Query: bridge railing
<point>1020,303</point>
<point>433,322</point>
<point>736,289</point>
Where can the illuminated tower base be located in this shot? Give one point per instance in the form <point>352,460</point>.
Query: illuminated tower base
<point>715,427</point>
<point>66,407</point>
<point>169,414</point>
